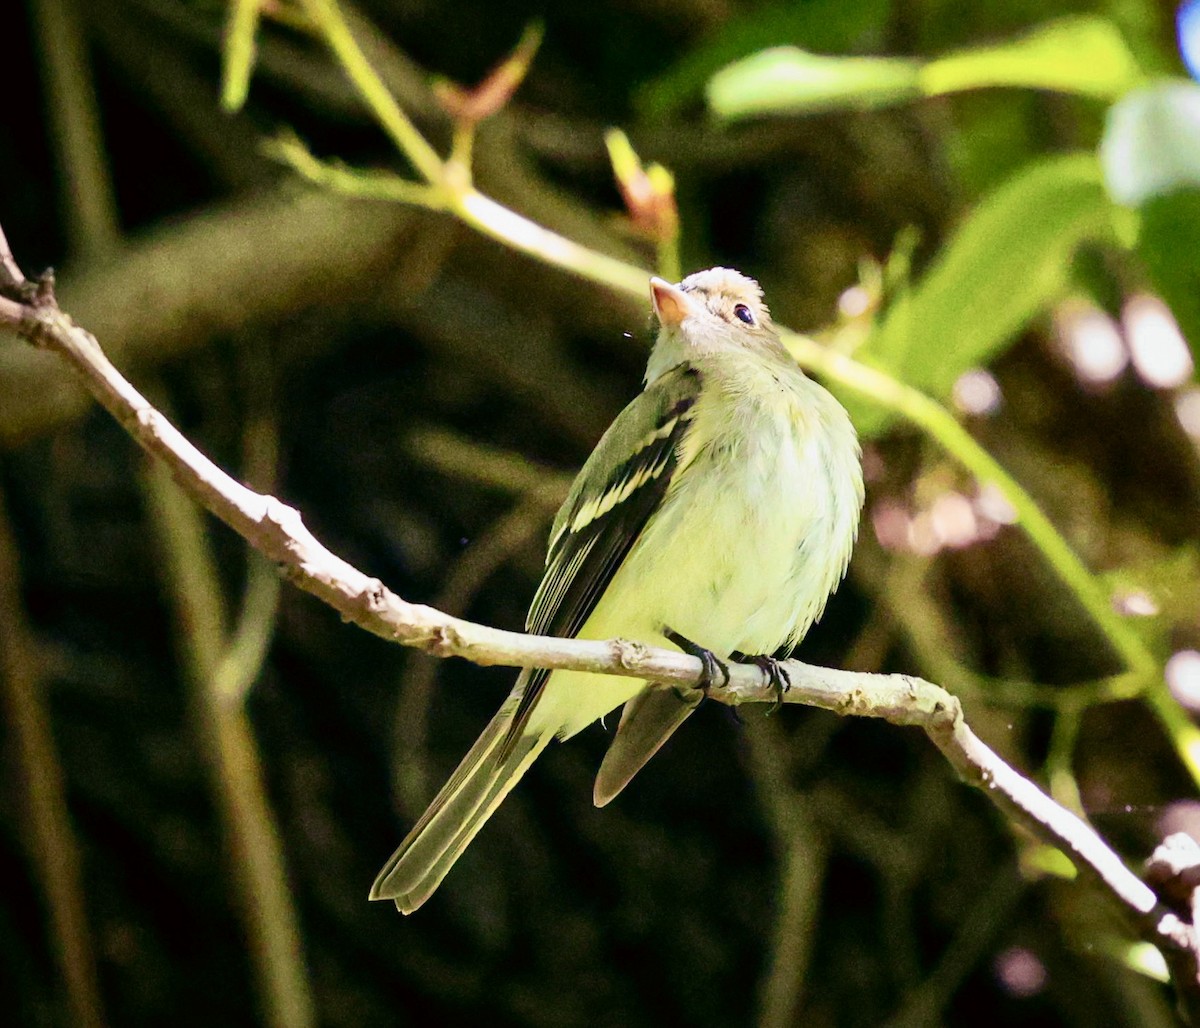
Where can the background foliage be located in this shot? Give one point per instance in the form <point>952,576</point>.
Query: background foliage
<point>989,204</point>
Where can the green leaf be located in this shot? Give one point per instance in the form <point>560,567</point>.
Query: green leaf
<point>831,26</point>
<point>1151,144</point>
<point>1006,263</point>
<point>1082,55</point>
<point>787,80</point>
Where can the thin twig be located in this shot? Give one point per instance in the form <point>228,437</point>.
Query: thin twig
<point>11,275</point>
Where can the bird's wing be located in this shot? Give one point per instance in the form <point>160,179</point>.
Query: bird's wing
<point>615,494</point>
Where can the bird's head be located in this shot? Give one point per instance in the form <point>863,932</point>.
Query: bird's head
<point>719,298</point>
<point>710,312</point>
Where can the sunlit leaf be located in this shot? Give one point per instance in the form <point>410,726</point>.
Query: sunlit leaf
<point>1006,263</point>
<point>1042,859</point>
<point>1141,957</point>
<point>786,79</point>
<point>1082,55</point>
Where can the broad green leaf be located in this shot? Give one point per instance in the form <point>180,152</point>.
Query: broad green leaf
<point>1082,55</point>
<point>1151,144</point>
<point>1007,262</point>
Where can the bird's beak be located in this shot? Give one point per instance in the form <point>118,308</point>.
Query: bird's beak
<point>671,303</point>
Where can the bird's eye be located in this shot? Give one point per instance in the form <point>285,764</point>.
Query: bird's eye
<point>744,314</point>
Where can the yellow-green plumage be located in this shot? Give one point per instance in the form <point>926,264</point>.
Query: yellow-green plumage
<point>722,504</point>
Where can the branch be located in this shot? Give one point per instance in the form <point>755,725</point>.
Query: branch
<point>277,530</point>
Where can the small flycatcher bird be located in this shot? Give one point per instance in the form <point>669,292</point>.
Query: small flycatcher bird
<point>717,513</point>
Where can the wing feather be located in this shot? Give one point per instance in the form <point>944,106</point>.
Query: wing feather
<point>616,493</point>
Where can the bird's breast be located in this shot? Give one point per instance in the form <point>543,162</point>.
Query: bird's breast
<point>757,527</point>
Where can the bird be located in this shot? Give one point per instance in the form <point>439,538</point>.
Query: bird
<point>716,514</point>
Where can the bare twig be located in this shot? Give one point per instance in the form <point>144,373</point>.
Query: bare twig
<point>11,276</point>
<point>1174,868</point>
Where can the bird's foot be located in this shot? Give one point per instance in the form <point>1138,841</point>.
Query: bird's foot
<point>712,666</point>
<point>777,676</point>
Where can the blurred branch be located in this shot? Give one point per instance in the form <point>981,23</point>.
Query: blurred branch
<point>278,532</point>
<point>75,122</point>
<point>898,583</point>
<point>246,649</point>
<point>1060,761</point>
<point>219,674</point>
<point>167,76</point>
<point>490,330</point>
<point>53,849</point>
<point>55,861</point>
<point>453,455</point>
<point>803,852</point>
<point>250,262</point>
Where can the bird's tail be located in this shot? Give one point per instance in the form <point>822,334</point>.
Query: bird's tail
<point>647,722</point>
<point>484,777</point>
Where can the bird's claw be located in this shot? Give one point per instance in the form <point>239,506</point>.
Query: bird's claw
<point>713,670</point>
<point>777,677</point>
